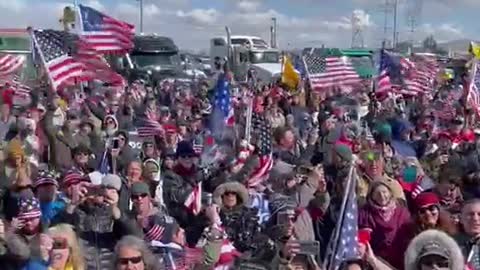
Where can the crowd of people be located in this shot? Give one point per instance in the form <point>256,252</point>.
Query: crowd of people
<point>76,195</point>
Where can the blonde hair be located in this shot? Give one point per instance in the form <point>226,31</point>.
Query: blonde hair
<point>76,258</point>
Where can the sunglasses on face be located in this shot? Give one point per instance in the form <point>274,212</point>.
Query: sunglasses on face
<point>186,156</point>
<point>439,263</point>
<point>228,193</point>
<point>60,243</point>
<point>121,138</point>
<point>431,208</point>
<point>133,260</point>
<point>140,196</point>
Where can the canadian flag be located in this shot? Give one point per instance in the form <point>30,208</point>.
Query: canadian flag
<point>194,200</point>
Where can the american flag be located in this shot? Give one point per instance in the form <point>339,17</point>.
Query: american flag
<point>346,230</point>
<point>61,67</point>
<point>21,91</point>
<point>445,109</point>
<point>422,74</point>
<point>155,233</point>
<point>228,254</point>
<point>261,127</point>
<point>105,33</point>
<point>150,128</point>
<point>194,199</point>
<point>404,76</point>
<point>10,63</point>
<point>223,101</point>
<point>473,95</point>
<point>324,72</point>
<point>422,183</point>
<point>96,67</point>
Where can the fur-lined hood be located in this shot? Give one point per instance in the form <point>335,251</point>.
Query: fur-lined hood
<point>419,245</point>
<point>236,187</point>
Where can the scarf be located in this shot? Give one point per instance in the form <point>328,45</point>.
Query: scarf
<point>385,212</point>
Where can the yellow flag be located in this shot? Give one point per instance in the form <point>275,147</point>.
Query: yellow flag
<point>475,49</point>
<point>289,76</point>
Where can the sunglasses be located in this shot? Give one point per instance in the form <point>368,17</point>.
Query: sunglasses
<point>133,260</point>
<point>60,243</point>
<point>439,263</point>
<point>228,193</point>
<point>186,156</point>
<point>431,208</point>
<point>140,196</point>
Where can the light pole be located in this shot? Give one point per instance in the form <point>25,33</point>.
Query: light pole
<point>141,15</point>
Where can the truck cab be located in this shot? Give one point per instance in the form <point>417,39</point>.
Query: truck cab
<point>152,59</point>
<point>247,52</point>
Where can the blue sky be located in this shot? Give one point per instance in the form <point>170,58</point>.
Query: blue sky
<point>301,22</point>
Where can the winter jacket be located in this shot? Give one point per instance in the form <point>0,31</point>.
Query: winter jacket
<point>427,241</point>
<point>98,233</point>
<point>469,245</point>
<point>389,239</point>
<point>177,186</point>
<point>14,252</point>
<point>61,143</point>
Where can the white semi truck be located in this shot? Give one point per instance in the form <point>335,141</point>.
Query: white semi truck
<point>246,53</point>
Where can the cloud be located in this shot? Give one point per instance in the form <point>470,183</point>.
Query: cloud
<point>192,28</point>
<point>95,4</point>
<point>248,5</point>
<point>361,19</point>
<point>200,17</point>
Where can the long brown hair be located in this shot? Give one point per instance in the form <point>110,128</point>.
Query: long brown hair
<point>445,223</point>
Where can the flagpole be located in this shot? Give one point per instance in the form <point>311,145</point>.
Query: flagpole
<point>248,124</point>
<point>340,221</point>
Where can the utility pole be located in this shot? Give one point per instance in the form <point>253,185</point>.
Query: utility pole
<point>395,33</point>
<point>273,33</point>
<point>141,15</point>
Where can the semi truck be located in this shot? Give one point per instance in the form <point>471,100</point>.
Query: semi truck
<point>152,59</point>
<point>245,53</point>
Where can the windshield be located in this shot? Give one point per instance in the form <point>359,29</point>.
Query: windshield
<point>144,60</point>
<point>362,61</point>
<point>264,57</point>
<point>259,42</point>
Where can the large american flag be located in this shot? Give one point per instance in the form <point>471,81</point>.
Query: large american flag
<point>96,67</point>
<point>61,67</point>
<point>325,72</point>
<point>105,33</point>
<point>473,96</point>
<point>10,63</point>
<point>223,102</point>
<point>403,76</point>
<point>422,74</point>
<point>346,230</point>
<point>262,129</point>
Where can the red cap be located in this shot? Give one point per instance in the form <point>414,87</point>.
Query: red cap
<point>364,235</point>
<point>170,129</point>
<point>468,136</point>
<point>445,135</point>
<point>426,199</point>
